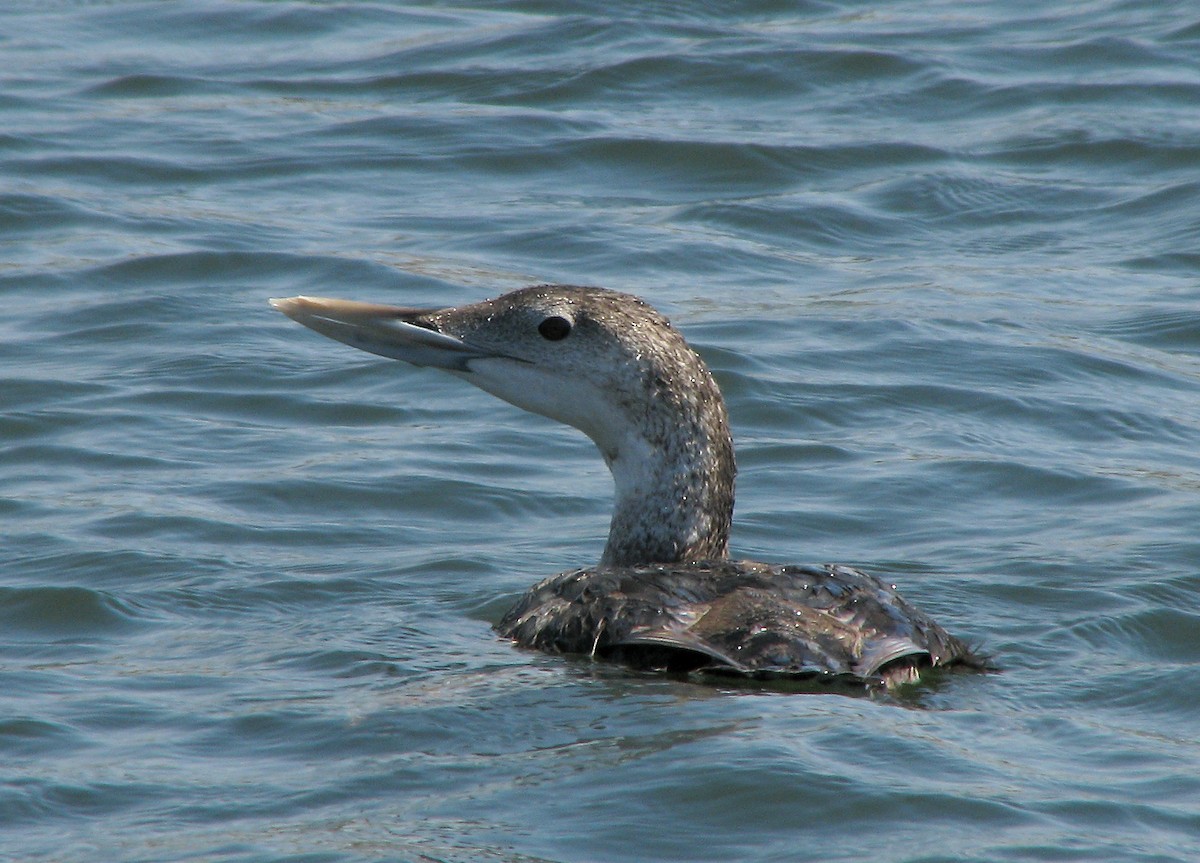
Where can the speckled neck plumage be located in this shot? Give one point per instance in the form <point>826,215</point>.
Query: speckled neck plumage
<point>675,484</point>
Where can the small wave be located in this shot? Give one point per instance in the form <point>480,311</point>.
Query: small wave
<point>30,736</point>
<point>1177,329</point>
<point>77,612</point>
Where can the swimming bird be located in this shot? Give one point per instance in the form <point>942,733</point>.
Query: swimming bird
<point>665,595</point>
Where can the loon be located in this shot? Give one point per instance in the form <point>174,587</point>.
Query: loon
<point>665,595</point>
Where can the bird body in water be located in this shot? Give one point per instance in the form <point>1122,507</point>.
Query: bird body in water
<point>666,594</point>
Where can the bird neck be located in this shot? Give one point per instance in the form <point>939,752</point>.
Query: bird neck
<point>674,491</point>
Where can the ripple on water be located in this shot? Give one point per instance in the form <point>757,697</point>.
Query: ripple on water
<point>22,738</point>
<point>1172,329</point>
<point>70,612</point>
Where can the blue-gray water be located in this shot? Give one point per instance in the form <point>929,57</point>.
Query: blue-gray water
<point>942,256</point>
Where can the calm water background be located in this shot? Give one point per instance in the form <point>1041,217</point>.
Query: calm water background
<point>943,258</point>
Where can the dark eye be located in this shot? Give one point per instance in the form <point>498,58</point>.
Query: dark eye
<point>554,328</point>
